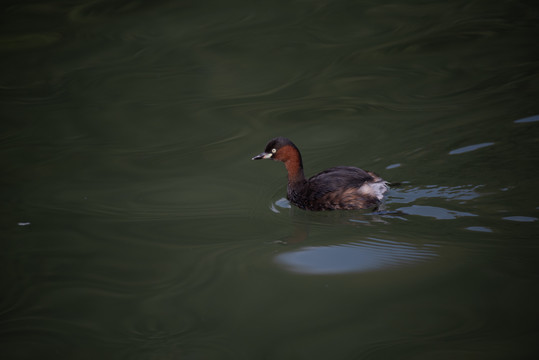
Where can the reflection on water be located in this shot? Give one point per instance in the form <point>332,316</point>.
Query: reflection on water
<point>134,226</point>
<point>282,203</point>
<point>528,119</point>
<point>408,195</point>
<point>521,218</point>
<point>470,148</point>
<point>392,166</point>
<point>433,211</point>
<point>479,228</point>
<point>376,254</point>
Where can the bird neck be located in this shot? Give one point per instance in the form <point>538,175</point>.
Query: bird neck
<point>294,166</point>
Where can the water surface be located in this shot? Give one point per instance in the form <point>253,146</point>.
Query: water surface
<point>134,224</point>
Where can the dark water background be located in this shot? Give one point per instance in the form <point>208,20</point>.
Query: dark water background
<point>134,225</point>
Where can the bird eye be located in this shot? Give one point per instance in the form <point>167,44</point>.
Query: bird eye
<point>273,151</point>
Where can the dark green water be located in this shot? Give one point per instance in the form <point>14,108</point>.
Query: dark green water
<point>135,226</point>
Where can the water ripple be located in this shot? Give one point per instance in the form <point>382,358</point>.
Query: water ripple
<point>163,200</point>
<point>412,194</point>
<point>28,41</point>
<point>529,119</point>
<point>97,10</point>
<point>469,148</point>
<point>375,254</point>
<point>521,218</point>
<point>433,211</point>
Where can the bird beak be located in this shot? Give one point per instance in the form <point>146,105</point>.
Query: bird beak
<point>263,155</point>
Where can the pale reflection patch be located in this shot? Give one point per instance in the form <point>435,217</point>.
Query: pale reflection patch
<point>528,119</point>
<point>521,218</point>
<point>354,257</point>
<point>433,211</point>
<point>469,148</point>
<point>282,203</point>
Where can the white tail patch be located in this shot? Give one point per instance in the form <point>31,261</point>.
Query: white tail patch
<point>375,189</point>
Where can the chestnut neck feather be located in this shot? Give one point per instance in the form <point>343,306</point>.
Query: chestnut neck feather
<point>292,160</point>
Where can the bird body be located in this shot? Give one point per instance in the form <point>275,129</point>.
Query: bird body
<point>340,187</point>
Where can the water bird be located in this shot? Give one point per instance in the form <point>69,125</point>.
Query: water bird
<point>337,188</point>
